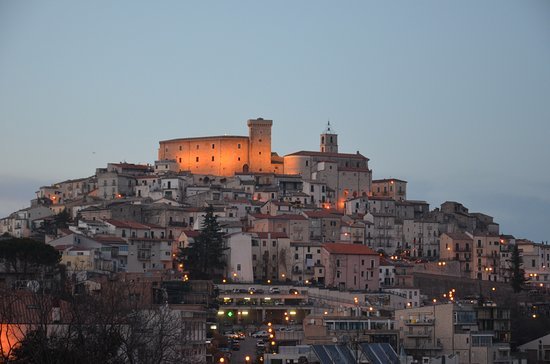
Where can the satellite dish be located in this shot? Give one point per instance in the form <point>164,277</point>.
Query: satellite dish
<point>335,340</point>
<point>33,286</point>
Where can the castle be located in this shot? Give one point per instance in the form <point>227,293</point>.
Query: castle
<point>341,175</point>
<point>225,155</point>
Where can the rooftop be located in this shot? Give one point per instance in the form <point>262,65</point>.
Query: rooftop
<point>326,154</point>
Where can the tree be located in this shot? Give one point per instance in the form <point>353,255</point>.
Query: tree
<point>518,274</point>
<point>104,326</point>
<point>204,257</point>
<point>24,256</point>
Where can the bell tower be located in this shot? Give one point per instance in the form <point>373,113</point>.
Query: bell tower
<point>329,140</point>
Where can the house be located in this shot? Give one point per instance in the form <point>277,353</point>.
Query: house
<point>271,255</point>
<point>324,226</point>
<point>350,266</point>
<point>149,254</point>
<point>305,262</point>
<point>449,328</point>
<point>240,265</point>
<point>458,247</point>
<point>295,226</point>
<point>390,187</point>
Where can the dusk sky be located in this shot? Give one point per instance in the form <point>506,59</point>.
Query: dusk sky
<point>453,97</point>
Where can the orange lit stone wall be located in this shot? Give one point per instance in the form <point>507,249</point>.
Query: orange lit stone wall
<point>220,156</point>
<point>260,145</point>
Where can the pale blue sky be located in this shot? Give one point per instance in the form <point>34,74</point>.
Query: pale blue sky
<point>453,97</point>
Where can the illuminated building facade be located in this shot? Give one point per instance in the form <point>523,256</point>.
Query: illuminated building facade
<point>224,155</point>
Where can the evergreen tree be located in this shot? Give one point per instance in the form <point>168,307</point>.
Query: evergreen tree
<point>24,256</point>
<point>518,274</point>
<point>204,257</point>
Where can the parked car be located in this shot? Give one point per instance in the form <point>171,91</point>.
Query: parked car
<point>260,334</point>
<point>293,291</point>
<point>235,346</point>
<point>287,329</point>
<point>275,290</point>
<point>231,335</point>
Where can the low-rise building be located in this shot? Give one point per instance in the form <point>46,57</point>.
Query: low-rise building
<point>350,266</point>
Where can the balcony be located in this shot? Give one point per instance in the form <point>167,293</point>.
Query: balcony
<point>419,322</point>
<point>420,334</point>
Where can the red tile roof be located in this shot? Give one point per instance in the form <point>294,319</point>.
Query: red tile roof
<point>329,155</point>
<point>387,180</point>
<point>321,214</point>
<point>278,217</point>
<point>348,249</point>
<point>192,233</point>
<point>109,239</point>
<point>128,224</point>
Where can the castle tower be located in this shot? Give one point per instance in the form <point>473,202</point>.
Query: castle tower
<point>259,151</point>
<point>329,140</point>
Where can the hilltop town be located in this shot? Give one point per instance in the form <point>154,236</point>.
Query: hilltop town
<point>316,255</point>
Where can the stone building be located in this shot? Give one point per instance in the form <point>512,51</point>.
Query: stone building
<point>350,266</point>
<point>224,155</point>
<point>393,187</point>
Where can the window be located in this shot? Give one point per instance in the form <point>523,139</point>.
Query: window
<point>212,158</point>
<point>307,164</point>
<point>254,257</point>
<point>180,160</point>
<point>213,146</point>
<point>197,146</point>
<point>180,147</point>
<point>296,256</point>
<point>196,159</point>
<point>238,265</point>
<point>274,243</point>
<point>337,262</point>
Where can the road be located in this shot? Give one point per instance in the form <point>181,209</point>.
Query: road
<point>248,347</point>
